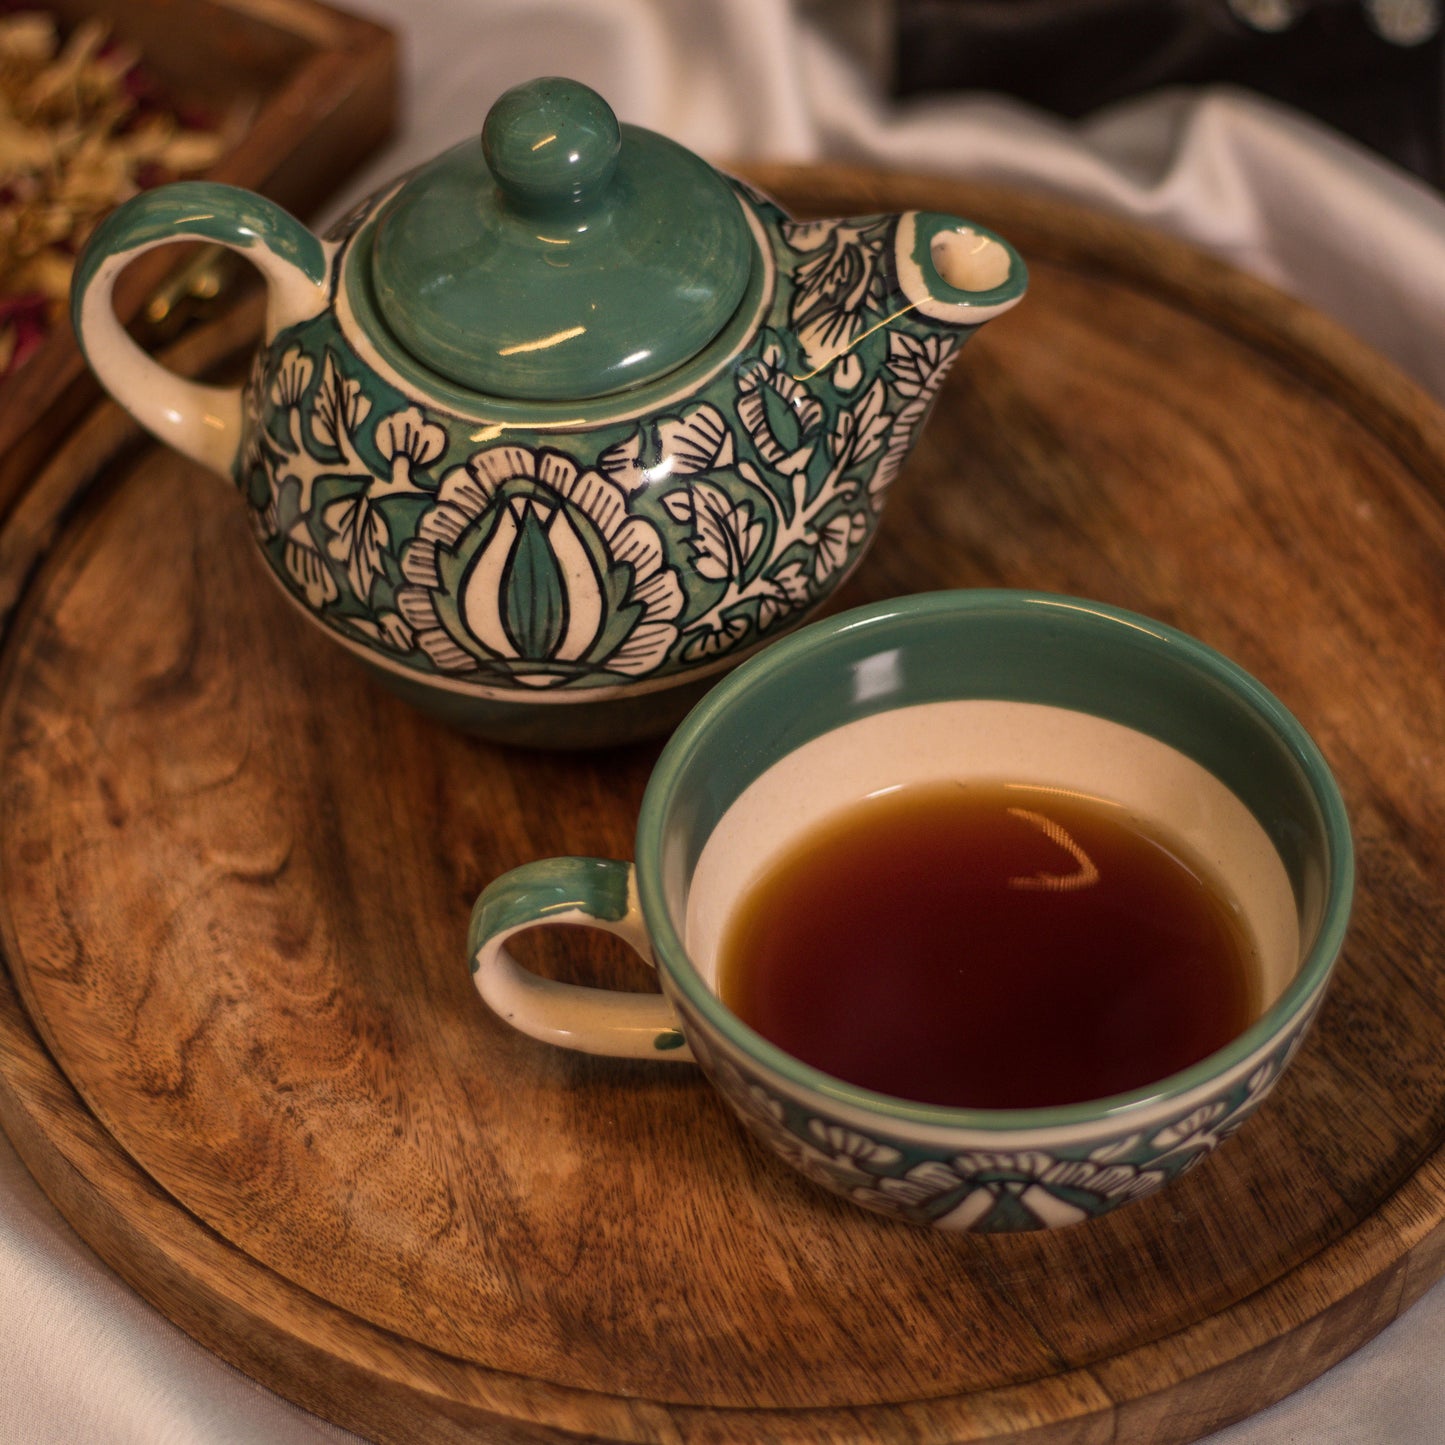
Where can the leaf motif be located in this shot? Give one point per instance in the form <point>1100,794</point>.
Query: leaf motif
<point>908,361</point>
<point>793,580</point>
<point>308,568</point>
<point>390,630</point>
<point>678,505</point>
<point>409,434</point>
<point>339,519</point>
<point>622,462</point>
<point>359,535</point>
<point>784,591</point>
<point>714,552</point>
<point>806,236</point>
<point>711,641</point>
<point>326,412</point>
<point>645,649</point>
<point>725,536</point>
<point>833,547</point>
<point>395,633</point>
<point>1187,1128</point>
<point>677,446</point>
<point>357,405</point>
<point>699,442</point>
<point>292,378</point>
<point>750,532</point>
<point>917,363</point>
<point>770,608</point>
<point>339,409</point>
<point>870,422</point>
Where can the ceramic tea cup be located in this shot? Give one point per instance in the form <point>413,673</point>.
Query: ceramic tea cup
<point>1052,691</point>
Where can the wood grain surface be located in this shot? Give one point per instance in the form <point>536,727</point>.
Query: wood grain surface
<point>240,1048</point>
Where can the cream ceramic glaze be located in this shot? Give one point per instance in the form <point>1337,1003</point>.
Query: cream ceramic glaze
<point>984,741</point>
<point>969,261</point>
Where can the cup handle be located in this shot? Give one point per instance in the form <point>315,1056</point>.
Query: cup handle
<point>588,893</point>
<point>202,422</point>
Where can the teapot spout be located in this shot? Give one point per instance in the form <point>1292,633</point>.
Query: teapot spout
<point>890,281</point>
<point>954,273</point>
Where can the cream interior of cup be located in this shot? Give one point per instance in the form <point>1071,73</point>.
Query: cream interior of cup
<point>984,740</point>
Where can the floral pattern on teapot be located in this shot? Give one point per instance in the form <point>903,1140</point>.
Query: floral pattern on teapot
<point>613,554</point>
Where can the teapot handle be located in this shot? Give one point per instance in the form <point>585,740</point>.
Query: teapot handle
<point>202,422</point>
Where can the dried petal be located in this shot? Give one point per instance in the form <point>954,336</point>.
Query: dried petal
<point>80,131</point>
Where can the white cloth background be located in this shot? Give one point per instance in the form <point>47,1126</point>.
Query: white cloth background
<point>85,1361</point>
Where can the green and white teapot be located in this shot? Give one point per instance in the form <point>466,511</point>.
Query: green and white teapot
<point>557,427</point>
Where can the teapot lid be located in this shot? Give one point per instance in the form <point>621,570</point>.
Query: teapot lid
<point>565,257</point>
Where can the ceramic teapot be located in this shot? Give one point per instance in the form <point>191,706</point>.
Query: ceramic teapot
<point>557,427</point>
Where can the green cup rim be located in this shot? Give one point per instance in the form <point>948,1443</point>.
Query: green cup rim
<point>816,638</point>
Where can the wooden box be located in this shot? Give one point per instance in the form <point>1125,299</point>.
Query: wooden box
<point>319,89</point>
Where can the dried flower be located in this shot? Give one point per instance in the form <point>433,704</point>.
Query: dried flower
<point>80,131</point>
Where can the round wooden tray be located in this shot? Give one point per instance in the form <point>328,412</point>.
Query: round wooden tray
<point>240,1048</point>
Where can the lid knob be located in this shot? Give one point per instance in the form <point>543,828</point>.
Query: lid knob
<point>552,144</point>
<point>565,257</point>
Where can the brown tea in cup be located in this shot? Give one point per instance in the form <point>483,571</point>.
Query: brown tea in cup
<point>990,945</point>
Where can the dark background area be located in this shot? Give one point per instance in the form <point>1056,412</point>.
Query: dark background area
<point>1371,69</point>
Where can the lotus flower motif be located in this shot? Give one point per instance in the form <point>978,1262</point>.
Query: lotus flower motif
<point>530,567</point>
